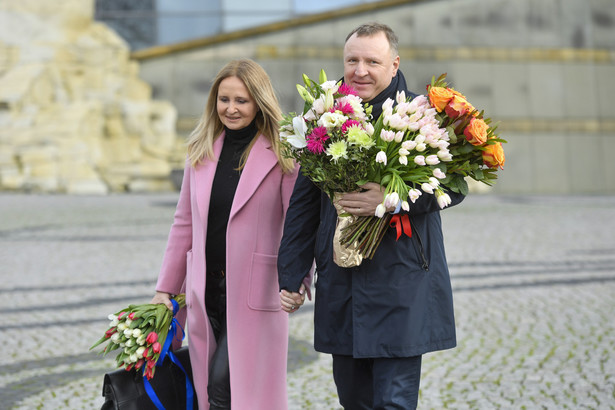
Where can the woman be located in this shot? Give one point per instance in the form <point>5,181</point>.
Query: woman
<point>223,245</point>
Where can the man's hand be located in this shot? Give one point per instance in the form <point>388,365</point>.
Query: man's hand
<point>363,203</point>
<point>291,301</point>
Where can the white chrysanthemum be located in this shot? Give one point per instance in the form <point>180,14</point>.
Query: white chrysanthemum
<point>330,85</point>
<point>331,120</point>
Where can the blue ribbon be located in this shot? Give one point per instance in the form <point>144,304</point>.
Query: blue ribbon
<point>167,352</point>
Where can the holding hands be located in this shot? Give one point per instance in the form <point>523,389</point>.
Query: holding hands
<point>291,301</point>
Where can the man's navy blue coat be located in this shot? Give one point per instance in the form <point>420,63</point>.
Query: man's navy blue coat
<point>398,304</point>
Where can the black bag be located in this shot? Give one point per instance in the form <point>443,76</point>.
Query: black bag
<point>124,390</point>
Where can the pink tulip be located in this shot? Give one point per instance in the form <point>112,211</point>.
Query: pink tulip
<point>149,373</point>
<point>151,338</point>
<point>139,364</point>
<point>110,332</point>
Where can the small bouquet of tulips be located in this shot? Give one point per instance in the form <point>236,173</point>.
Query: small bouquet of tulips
<point>140,333</point>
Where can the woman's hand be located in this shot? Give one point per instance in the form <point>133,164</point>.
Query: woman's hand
<point>164,298</point>
<point>291,301</point>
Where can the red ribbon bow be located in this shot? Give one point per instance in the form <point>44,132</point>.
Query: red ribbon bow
<point>402,223</point>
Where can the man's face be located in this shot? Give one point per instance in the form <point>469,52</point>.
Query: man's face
<point>368,64</point>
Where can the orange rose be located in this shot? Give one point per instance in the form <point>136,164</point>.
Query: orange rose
<point>455,92</point>
<point>476,131</point>
<point>493,155</point>
<point>458,106</point>
<point>439,97</point>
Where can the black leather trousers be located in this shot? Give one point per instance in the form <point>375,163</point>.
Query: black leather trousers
<point>219,386</point>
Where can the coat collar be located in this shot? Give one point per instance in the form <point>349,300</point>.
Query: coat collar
<point>260,162</point>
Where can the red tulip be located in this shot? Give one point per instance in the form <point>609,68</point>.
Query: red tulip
<point>110,332</point>
<point>151,338</point>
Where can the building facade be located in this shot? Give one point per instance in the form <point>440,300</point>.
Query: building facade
<point>543,70</point>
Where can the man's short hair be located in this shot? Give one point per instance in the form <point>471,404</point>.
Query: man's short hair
<point>369,29</point>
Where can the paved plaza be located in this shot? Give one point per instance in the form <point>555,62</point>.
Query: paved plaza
<point>533,280</point>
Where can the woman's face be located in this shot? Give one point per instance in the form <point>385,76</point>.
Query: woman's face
<point>236,107</point>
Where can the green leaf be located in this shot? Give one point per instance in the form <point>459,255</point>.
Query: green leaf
<point>451,134</point>
<point>101,340</point>
<point>378,127</point>
<point>136,323</point>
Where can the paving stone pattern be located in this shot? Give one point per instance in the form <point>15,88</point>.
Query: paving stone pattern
<point>533,279</point>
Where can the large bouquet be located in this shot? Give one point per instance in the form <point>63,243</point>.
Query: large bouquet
<point>425,145</point>
<point>143,333</point>
<point>412,149</point>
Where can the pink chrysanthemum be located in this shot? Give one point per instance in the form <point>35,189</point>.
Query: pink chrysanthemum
<point>349,124</point>
<point>316,146</point>
<point>345,89</point>
<point>345,108</point>
<point>319,133</point>
<point>316,140</point>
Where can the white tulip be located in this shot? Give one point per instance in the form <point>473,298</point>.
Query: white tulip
<point>432,160</point>
<point>427,188</point>
<point>381,157</point>
<point>419,160</point>
<point>438,173</point>
<point>414,194</point>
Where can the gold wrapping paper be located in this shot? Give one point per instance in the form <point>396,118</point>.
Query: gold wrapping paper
<point>344,256</point>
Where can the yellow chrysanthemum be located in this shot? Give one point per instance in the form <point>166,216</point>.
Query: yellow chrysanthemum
<point>338,150</point>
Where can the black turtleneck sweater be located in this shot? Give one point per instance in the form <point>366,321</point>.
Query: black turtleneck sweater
<point>222,194</point>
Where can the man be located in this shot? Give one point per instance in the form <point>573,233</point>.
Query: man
<point>378,318</point>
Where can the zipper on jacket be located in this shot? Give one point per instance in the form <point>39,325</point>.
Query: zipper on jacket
<point>425,265</point>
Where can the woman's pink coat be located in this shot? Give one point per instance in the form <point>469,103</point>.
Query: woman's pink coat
<point>257,327</point>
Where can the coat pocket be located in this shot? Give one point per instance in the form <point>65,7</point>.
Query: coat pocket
<point>264,289</point>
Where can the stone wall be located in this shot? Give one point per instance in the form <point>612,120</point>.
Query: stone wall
<point>544,70</point>
<point>74,115</point>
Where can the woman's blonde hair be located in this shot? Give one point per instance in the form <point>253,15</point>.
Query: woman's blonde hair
<point>258,83</point>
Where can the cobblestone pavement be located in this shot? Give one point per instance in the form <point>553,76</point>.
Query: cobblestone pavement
<point>533,279</point>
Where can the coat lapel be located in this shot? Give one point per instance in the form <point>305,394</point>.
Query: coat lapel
<point>260,162</point>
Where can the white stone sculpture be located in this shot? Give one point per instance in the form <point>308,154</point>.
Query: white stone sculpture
<point>74,115</point>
